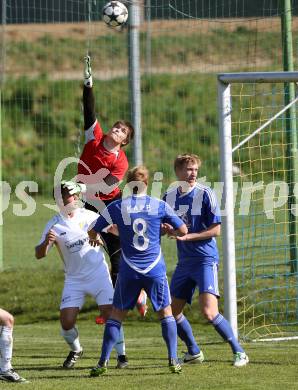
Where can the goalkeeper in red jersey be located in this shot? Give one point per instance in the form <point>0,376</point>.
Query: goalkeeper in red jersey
<point>103,164</point>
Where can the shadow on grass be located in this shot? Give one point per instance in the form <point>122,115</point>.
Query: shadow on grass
<point>49,368</point>
<point>127,372</point>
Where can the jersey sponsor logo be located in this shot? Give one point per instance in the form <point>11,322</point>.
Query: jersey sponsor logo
<point>77,244</point>
<point>62,234</point>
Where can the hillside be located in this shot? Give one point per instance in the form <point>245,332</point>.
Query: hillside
<point>41,100</point>
<point>176,47</point>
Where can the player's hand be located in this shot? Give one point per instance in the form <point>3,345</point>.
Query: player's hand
<point>182,238</point>
<point>87,68</point>
<point>94,238</point>
<point>73,187</point>
<point>96,241</point>
<point>50,237</point>
<point>113,229</point>
<point>166,228</point>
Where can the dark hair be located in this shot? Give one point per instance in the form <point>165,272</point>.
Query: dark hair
<point>186,158</point>
<point>130,128</point>
<point>63,190</point>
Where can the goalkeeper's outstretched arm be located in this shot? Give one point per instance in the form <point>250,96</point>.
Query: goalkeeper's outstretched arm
<point>88,95</point>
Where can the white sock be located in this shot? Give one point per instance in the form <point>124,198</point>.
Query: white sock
<point>120,345</point>
<point>6,343</point>
<point>71,336</point>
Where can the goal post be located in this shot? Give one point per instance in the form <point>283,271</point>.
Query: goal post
<point>254,308</point>
<point>228,241</point>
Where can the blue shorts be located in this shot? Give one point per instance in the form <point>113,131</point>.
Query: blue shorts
<point>129,285</point>
<point>187,277</point>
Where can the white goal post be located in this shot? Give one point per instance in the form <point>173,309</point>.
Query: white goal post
<point>225,82</point>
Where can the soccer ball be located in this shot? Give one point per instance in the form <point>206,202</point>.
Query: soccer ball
<point>115,14</point>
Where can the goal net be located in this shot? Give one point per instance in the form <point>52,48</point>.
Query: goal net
<point>258,137</point>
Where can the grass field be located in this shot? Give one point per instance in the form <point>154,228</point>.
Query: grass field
<point>200,44</point>
<point>43,278</point>
<point>260,279</point>
<point>39,352</point>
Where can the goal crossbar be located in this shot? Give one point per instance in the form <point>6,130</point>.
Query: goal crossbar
<point>258,77</point>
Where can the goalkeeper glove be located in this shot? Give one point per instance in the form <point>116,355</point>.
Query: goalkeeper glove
<point>73,187</point>
<point>87,72</point>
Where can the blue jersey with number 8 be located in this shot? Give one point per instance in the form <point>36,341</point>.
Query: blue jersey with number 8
<point>139,221</point>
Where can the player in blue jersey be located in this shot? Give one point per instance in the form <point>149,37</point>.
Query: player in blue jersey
<point>138,218</point>
<point>198,258</point>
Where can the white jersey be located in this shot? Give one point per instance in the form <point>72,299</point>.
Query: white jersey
<point>80,259</point>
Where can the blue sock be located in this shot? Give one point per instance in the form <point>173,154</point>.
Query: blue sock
<point>110,337</point>
<point>223,327</point>
<point>184,331</point>
<point>120,344</point>
<point>169,334</point>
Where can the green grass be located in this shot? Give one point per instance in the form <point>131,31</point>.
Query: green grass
<point>177,113</point>
<point>259,277</point>
<point>183,46</point>
<point>39,352</point>
<point>47,118</point>
<point>41,279</point>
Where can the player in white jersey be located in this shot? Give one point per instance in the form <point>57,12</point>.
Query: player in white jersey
<point>7,373</point>
<point>86,271</point>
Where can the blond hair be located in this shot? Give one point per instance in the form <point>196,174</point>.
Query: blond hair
<point>138,177</point>
<point>184,159</point>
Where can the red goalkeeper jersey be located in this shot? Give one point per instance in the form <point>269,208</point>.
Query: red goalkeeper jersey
<point>96,162</point>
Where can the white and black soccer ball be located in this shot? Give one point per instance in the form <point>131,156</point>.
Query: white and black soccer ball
<point>115,14</point>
